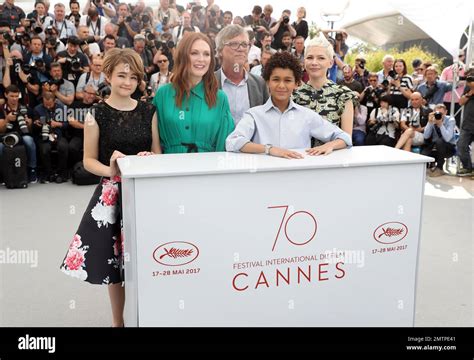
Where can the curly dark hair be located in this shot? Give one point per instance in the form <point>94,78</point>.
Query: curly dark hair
<point>283,60</point>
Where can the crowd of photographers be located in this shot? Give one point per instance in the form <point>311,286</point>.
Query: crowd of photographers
<point>51,60</point>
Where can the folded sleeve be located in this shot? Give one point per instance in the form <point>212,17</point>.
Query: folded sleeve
<point>242,134</point>
<point>324,131</point>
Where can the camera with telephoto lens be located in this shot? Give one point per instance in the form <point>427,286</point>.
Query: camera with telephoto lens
<point>11,139</point>
<point>149,35</point>
<point>286,20</point>
<point>103,90</point>
<point>164,22</point>
<point>88,40</point>
<point>393,74</point>
<point>49,30</point>
<point>21,118</point>
<point>57,82</point>
<point>470,78</point>
<point>212,13</point>
<point>35,27</point>
<point>45,129</point>
<point>51,41</point>
<point>75,18</point>
<point>145,19</point>
<point>74,63</point>
<point>438,115</point>
<point>7,36</point>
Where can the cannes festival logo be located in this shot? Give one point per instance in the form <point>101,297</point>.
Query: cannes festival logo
<point>177,253</point>
<point>390,233</point>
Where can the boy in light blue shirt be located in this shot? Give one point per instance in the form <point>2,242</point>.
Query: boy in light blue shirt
<point>280,125</point>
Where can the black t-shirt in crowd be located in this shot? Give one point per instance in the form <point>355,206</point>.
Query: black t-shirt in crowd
<point>468,119</point>
<point>68,73</point>
<point>5,110</point>
<point>78,110</point>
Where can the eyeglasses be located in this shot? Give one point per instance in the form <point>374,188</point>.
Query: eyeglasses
<point>373,80</point>
<point>234,45</point>
<point>162,61</point>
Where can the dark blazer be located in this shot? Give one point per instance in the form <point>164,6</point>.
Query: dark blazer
<point>257,88</point>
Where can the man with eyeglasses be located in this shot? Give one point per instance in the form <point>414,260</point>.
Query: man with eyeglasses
<point>244,90</point>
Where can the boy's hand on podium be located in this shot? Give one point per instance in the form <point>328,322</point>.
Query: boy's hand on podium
<point>283,153</point>
<point>325,149</point>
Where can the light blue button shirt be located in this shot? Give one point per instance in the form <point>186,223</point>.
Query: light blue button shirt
<point>238,96</point>
<point>292,129</point>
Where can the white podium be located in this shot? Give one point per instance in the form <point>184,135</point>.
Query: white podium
<point>223,239</point>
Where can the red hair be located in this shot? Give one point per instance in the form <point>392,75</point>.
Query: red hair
<point>181,70</point>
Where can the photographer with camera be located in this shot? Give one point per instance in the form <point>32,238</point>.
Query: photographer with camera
<point>11,13</point>
<point>139,45</point>
<point>95,23</point>
<point>75,15</point>
<point>104,8</point>
<point>37,17</point>
<point>401,85</point>
<point>360,73</point>
<point>73,62</point>
<point>95,77</point>
<point>439,132</point>
<point>383,123</point>
<point>87,46</point>
<point>371,95</point>
<point>467,127</point>
<point>62,89</point>
<point>53,45</point>
<point>15,127</point>
<point>258,25</point>
<point>14,74</point>
<point>37,61</point>
<point>128,27</point>
<point>178,31</point>
<point>280,27</point>
<point>433,90</point>
<point>65,27</point>
<point>413,121</point>
<point>168,17</point>
<point>50,125</point>
<point>21,40</point>
<point>213,20</point>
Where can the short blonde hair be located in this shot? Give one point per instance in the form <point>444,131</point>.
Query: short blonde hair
<point>320,41</point>
<point>116,56</point>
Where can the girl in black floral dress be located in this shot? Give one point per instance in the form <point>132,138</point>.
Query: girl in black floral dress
<point>115,128</point>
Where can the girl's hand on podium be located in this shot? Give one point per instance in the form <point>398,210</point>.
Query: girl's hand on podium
<point>145,153</point>
<point>114,169</point>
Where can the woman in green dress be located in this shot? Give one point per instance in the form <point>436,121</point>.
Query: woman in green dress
<point>193,114</point>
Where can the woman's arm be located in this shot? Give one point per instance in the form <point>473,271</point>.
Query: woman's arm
<point>347,118</point>
<point>155,144</point>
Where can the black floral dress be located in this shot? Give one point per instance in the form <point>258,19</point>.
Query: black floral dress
<point>95,253</point>
<point>329,101</point>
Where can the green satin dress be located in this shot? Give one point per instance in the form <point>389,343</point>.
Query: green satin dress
<point>194,127</point>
